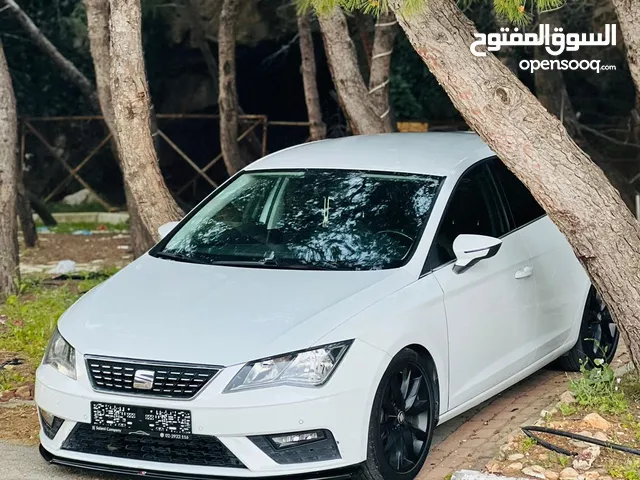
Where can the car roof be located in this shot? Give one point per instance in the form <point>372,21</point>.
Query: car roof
<point>432,153</point>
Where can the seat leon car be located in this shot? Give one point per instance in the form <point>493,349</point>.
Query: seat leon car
<point>317,316</point>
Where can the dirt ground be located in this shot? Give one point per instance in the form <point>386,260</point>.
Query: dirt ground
<point>19,424</point>
<point>108,249</point>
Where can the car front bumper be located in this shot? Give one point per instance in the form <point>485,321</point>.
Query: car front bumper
<point>342,407</point>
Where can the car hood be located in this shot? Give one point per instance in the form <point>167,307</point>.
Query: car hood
<point>158,309</point>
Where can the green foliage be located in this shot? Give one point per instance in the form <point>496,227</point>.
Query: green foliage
<point>598,389</point>
<point>527,444</point>
<point>32,315</point>
<point>629,471</point>
<point>518,12</point>
<point>567,410</point>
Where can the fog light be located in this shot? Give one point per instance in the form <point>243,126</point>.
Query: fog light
<point>291,439</point>
<point>50,423</point>
<point>298,447</point>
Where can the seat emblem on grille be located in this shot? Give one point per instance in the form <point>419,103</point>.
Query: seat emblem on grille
<point>143,379</point>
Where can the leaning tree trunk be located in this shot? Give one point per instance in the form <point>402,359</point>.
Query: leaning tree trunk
<point>99,42</point>
<point>131,107</point>
<point>228,96</point>
<point>8,177</point>
<point>551,91</point>
<point>40,40</point>
<point>537,148</point>
<point>343,64</point>
<point>386,30</point>
<point>317,128</point>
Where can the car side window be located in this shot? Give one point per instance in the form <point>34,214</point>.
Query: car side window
<point>523,206</point>
<point>474,208</point>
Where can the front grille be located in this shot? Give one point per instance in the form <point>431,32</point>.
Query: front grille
<point>200,450</point>
<point>169,380</point>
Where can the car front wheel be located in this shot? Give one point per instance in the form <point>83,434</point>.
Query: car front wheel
<point>402,420</point>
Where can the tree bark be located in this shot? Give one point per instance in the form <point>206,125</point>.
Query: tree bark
<point>343,64</point>
<point>386,30</point>
<point>67,68</point>
<point>537,148</point>
<point>228,99</point>
<point>629,20</point>
<point>99,43</point>
<point>131,107</point>
<point>8,177</point>
<point>23,207</point>
<point>317,128</point>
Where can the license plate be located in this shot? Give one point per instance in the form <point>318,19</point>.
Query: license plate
<point>152,422</point>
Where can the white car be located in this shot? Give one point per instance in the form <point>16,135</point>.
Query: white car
<point>317,316</point>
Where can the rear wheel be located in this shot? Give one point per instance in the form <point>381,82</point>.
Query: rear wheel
<point>402,420</point>
<point>598,338</point>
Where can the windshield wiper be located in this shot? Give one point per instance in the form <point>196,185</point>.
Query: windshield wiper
<point>180,258</point>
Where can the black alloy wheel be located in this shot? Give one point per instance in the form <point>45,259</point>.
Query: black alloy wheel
<point>402,419</point>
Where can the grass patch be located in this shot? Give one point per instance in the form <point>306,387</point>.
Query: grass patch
<point>567,410</point>
<point>90,226</point>
<point>629,471</point>
<point>84,207</point>
<point>30,317</point>
<point>527,444</point>
<point>598,389</point>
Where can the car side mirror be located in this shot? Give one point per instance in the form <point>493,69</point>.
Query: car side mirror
<point>165,229</point>
<point>470,249</point>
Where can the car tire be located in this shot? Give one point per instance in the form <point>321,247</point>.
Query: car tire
<point>398,442</point>
<point>598,338</point>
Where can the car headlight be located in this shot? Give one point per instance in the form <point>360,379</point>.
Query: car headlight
<point>306,368</point>
<point>60,355</point>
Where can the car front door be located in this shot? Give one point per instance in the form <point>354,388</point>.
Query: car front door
<point>491,307</point>
<point>560,280</point>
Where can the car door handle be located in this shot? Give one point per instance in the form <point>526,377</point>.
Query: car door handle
<point>524,272</point>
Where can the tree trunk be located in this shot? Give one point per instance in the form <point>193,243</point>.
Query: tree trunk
<point>40,208</point>
<point>67,68</point>
<point>343,64</point>
<point>537,148</point>
<point>228,99</point>
<point>8,176</point>
<point>629,20</point>
<point>551,91</point>
<point>317,128</point>
<point>506,54</point>
<point>23,207</point>
<point>131,107</point>
<point>99,42</point>
<point>385,35</point>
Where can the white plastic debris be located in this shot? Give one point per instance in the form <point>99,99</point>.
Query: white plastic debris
<point>64,266</point>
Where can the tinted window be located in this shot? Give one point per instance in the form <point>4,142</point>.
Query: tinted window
<point>473,209</point>
<point>524,207</point>
<point>320,219</point>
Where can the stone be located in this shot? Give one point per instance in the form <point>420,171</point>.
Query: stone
<point>7,395</point>
<point>551,475</point>
<point>493,466</point>
<point>606,477</point>
<point>79,198</point>
<point>543,457</point>
<point>567,398</point>
<point>515,457</point>
<point>601,436</point>
<point>534,472</point>
<point>580,443</point>
<point>514,467</point>
<point>23,392</point>
<point>596,422</point>
<point>568,474</point>
<point>591,475</point>
<point>585,459</point>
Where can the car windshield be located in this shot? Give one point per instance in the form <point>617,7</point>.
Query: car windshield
<point>308,219</point>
